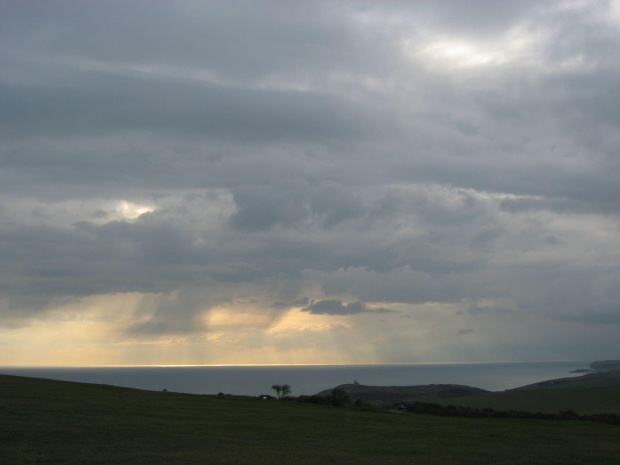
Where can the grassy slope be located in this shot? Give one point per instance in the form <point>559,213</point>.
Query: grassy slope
<point>44,421</point>
<point>606,365</point>
<point>592,393</point>
<point>586,400</point>
<point>598,380</point>
<point>386,396</point>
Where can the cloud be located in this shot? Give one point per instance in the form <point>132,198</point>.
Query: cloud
<point>128,105</point>
<point>337,307</point>
<point>223,161</point>
<point>475,310</point>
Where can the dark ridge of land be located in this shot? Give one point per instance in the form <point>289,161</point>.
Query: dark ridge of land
<point>590,393</point>
<point>581,401</point>
<point>601,365</point>
<point>44,421</point>
<point>599,379</point>
<point>387,396</point>
<point>605,365</point>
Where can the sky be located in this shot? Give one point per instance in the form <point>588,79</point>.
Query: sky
<point>279,182</point>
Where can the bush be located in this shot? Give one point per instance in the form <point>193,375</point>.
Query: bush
<point>339,397</point>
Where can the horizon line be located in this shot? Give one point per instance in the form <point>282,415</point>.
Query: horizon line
<point>224,365</point>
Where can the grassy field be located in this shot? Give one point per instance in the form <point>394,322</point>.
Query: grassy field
<point>47,422</point>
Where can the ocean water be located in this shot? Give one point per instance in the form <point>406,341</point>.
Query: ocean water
<point>307,379</point>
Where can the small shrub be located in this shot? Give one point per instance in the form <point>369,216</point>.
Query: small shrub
<point>339,397</point>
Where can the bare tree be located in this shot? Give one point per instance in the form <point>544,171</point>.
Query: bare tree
<point>282,390</point>
<point>278,389</point>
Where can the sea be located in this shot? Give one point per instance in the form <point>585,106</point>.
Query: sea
<point>255,380</point>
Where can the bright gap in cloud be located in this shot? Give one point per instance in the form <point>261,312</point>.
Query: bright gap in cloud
<point>461,53</point>
<point>455,52</point>
<point>131,211</point>
<point>614,10</point>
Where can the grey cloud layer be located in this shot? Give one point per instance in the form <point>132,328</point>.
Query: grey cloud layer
<point>357,168</point>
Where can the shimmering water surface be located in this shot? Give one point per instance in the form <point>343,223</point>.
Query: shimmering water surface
<point>255,380</point>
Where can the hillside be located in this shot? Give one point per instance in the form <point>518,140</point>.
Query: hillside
<point>44,421</point>
<point>591,380</point>
<point>587,400</point>
<point>591,393</point>
<point>605,365</point>
<point>387,396</point>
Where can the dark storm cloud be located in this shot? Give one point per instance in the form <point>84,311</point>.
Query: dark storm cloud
<point>591,190</point>
<point>583,294</point>
<point>102,105</point>
<point>440,153</point>
<point>244,41</point>
<point>86,259</point>
<point>291,204</point>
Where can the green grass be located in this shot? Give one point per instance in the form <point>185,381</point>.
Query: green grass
<point>54,422</point>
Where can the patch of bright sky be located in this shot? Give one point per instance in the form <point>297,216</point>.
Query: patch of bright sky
<point>297,320</point>
<point>78,333</point>
<point>231,317</point>
<point>129,210</point>
<point>614,10</point>
<point>67,212</point>
<point>446,52</point>
<point>518,46</point>
<point>207,207</point>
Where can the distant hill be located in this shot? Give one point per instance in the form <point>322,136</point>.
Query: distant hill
<point>590,393</point>
<point>387,396</point>
<point>606,365</point>
<point>600,379</point>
